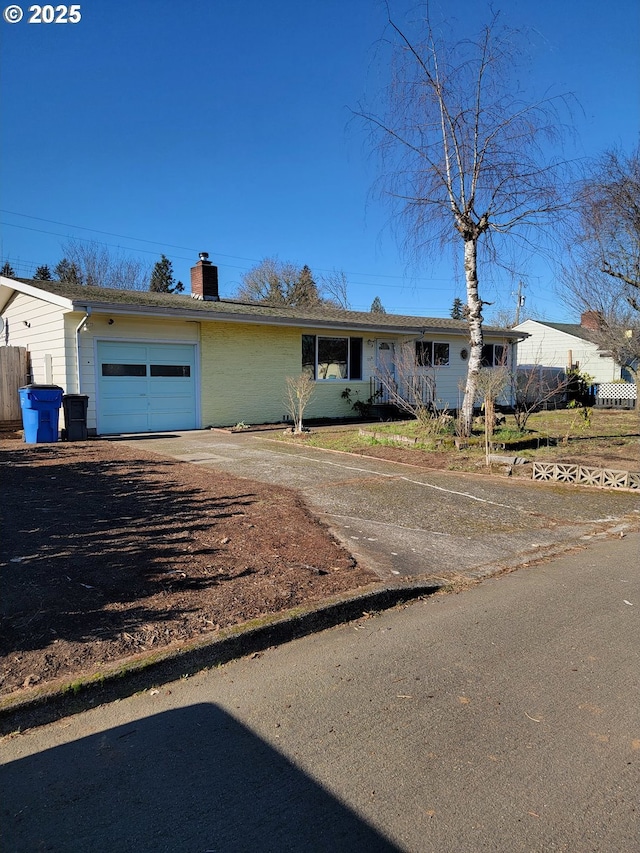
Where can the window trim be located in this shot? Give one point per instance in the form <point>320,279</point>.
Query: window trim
<point>354,351</point>
<point>421,344</point>
<point>504,355</point>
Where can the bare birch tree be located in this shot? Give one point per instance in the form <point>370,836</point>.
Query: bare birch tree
<point>463,154</point>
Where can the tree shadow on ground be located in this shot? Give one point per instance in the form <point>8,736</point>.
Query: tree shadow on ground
<point>81,538</point>
<point>192,778</point>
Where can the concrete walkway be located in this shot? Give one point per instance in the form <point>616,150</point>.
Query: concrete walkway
<point>404,521</point>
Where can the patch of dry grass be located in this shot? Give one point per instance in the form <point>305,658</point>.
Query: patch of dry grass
<point>604,438</point>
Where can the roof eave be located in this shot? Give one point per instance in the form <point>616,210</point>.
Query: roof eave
<point>266,320</point>
<point>10,285</point>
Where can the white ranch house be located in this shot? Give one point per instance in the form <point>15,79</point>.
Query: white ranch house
<point>155,362</point>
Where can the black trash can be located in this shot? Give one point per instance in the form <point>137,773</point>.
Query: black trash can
<point>75,417</point>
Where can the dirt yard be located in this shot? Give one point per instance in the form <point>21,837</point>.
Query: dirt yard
<point>108,552</point>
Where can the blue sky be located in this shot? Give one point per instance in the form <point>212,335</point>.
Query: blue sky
<point>224,126</point>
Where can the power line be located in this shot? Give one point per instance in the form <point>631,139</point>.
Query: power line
<point>181,248</point>
<point>107,233</point>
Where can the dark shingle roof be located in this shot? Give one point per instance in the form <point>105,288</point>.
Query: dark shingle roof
<point>169,304</point>
<point>574,329</point>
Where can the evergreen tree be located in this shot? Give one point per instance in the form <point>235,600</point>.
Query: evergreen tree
<point>457,309</point>
<point>8,270</point>
<point>304,291</point>
<point>42,273</point>
<point>66,270</point>
<point>162,279</point>
<point>377,307</point>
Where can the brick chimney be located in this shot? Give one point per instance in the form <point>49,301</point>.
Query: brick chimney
<point>591,320</point>
<point>204,279</point>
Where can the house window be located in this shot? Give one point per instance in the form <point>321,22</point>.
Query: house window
<point>432,354</point>
<point>494,355</point>
<point>331,358</point>
<point>309,355</point>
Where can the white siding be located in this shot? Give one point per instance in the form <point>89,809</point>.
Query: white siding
<point>38,326</point>
<point>447,378</point>
<point>122,328</point>
<point>549,347</point>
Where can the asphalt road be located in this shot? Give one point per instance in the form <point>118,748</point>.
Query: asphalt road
<point>404,521</point>
<point>502,718</point>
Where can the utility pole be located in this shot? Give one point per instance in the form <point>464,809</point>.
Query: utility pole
<point>521,299</point>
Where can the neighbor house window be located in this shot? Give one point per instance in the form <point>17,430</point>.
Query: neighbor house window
<point>432,354</point>
<point>494,355</point>
<point>325,357</point>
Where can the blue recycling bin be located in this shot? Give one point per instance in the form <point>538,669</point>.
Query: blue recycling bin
<point>40,406</point>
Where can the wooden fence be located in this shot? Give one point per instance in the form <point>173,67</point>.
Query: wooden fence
<point>14,373</point>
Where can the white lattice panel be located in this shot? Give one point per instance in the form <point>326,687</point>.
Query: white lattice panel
<point>617,391</point>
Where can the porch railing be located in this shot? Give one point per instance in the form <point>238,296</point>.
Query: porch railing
<point>415,390</point>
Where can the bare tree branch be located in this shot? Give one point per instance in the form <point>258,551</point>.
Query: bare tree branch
<point>601,273</point>
<point>463,155</point>
<point>92,264</point>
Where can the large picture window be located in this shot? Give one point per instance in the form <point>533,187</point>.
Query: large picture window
<point>432,354</point>
<point>330,358</point>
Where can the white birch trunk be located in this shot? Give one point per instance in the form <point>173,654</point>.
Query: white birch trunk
<point>474,318</point>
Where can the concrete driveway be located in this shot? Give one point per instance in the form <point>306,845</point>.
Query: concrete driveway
<point>404,521</point>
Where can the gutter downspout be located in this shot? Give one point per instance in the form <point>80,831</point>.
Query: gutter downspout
<point>79,328</point>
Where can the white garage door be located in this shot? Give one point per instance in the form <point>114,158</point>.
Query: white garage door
<point>146,387</point>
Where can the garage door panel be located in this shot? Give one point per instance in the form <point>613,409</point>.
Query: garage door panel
<point>162,421</point>
<point>110,424</point>
<point>158,352</point>
<point>123,351</point>
<point>180,402</point>
<point>123,404</point>
<point>143,387</point>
